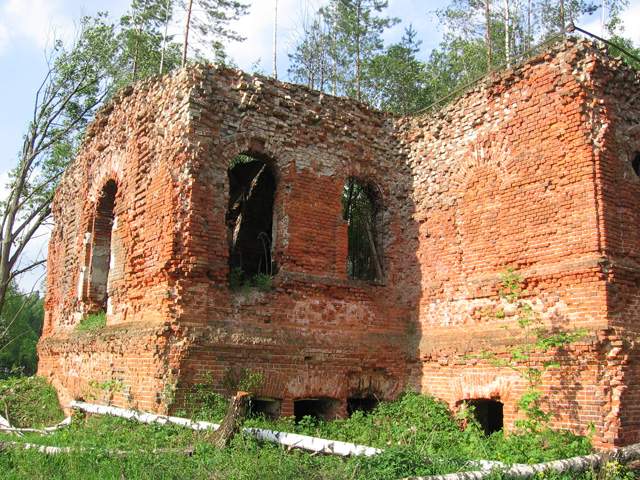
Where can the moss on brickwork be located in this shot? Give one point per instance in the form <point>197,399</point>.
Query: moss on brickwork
<point>92,322</point>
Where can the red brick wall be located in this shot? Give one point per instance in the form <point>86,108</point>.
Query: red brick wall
<point>506,177</point>
<point>529,170</point>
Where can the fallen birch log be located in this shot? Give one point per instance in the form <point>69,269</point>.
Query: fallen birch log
<point>43,431</point>
<point>290,440</point>
<point>6,425</point>
<point>573,464</point>
<point>52,450</point>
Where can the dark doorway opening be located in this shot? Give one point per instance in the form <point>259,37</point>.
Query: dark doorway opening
<point>489,414</point>
<point>635,163</point>
<point>252,186</point>
<point>321,408</point>
<point>101,247</point>
<point>361,404</point>
<point>266,407</point>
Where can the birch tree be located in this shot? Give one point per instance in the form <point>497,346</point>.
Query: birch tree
<point>207,23</point>
<point>76,82</point>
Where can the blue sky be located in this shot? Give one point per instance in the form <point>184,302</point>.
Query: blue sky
<point>27,27</point>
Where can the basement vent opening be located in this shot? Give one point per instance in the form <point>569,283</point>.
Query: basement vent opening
<point>635,164</point>
<point>101,247</point>
<point>361,404</point>
<point>265,407</point>
<point>362,212</point>
<point>321,408</point>
<point>489,414</point>
<point>252,186</point>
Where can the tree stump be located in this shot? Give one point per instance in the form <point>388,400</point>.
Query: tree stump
<point>232,422</point>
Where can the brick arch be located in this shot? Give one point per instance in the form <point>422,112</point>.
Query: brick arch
<point>99,249</point>
<point>264,149</point>
<point>470,386</point>
<point>483,153</point>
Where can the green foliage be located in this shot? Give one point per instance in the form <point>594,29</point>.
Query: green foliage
<point>143,42</point>
<point>628,46</point>
<point>236,278</point>
<point>262,281</point>
<point>537,338</point>
<point>360,207</point>
<point>92,322</point>
<point>202,402</point>
<point>418,434</point>
<point>29,402</point>
<point>103,391</point>
<point>241,379</point>
<point>210,24</point>
<point>239,281</point>
<point>395,80</point>
<point>20,327</point>
<point>337,43</point>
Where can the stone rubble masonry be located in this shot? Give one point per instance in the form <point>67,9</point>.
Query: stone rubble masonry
<point>531,169</point>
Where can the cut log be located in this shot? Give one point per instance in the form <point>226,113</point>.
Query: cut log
<point>52,450</point>
<point>5,425</point>
<point>520,471</point>
<point>236,413</point>
<point>142,417</point>
<point>41,431</point>
<point>290,440</point>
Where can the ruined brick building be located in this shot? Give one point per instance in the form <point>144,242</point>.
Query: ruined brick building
<point>537,168</point>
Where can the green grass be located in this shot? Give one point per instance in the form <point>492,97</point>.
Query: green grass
<point>418,434</point>
<point>92,322</point>
<point>29,402</point>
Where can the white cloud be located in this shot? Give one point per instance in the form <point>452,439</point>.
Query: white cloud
<point>37,22</point>
<point>631,20</point>
<point>4,37</point>
<point>257,27</point>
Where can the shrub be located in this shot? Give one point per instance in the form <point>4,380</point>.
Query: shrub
<point>29,402</point>
<point>92,322</point>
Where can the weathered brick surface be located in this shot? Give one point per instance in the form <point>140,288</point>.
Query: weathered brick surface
<point>531,169</point>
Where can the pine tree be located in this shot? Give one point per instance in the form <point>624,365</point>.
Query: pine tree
<point>395,80</point>
<point>207,24</point>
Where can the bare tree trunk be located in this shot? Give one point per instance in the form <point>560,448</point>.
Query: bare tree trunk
<point>374,252</point>
<point>164,37</point>
<point>358,40</point>
<point>136,54</point>
<point>275,40</point>
<point>232,422</point>
<point>563,24</point>
<point>507,33</point>
<point>487,18</point>
<point>529,32</point>
<point>186,33</point>
<point>519,471</point>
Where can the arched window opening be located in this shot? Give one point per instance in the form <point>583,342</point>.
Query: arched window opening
<point>101,251</point>
<point>266,407</point>
<point>252,187</point>
<point>488,413</point>
<point>361,404</point>
<point>361,210</point>
<point>635,163</point>
<point>322,408</point>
